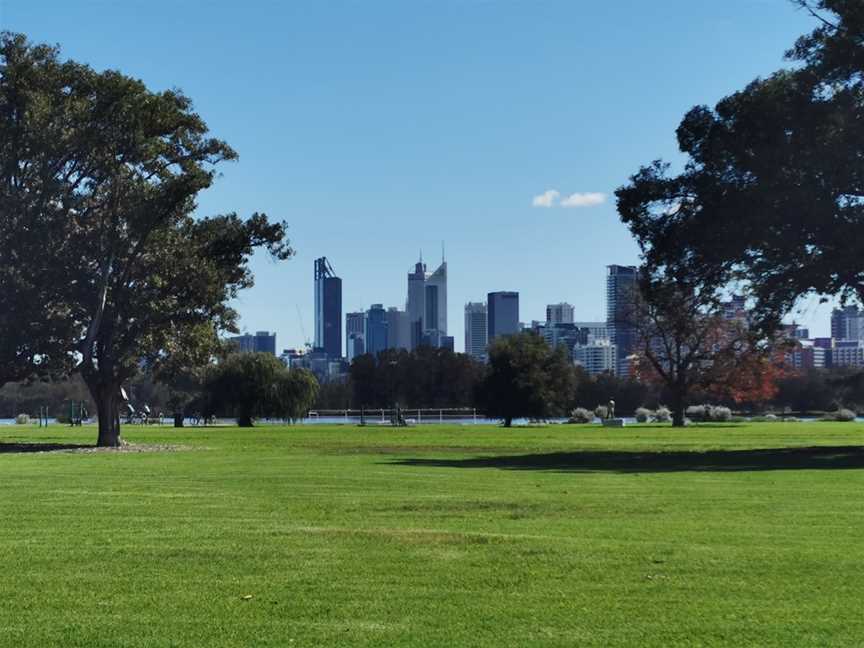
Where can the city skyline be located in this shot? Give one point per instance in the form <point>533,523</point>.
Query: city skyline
<point>508,145</point>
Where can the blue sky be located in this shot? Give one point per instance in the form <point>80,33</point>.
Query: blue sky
<point>380,128</point>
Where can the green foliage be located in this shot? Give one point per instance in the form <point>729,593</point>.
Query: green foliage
<point>98,180</point>
<point>771,190</point>
<point>581,415</point>
<point>842,415</point>
<point>255,385</point>
<point>643,415</point>
<point>526,378</point>
<point>425,377</point>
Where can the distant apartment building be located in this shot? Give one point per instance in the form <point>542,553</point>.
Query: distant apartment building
<point>596,330</point>
<point>847,353</point>
<point>355,335</point>
<point>563,334</point>
<point>502,313</point>
<point>559,313</point>
<point>476,330</point>
<point>328,310</point>
<point>847,323</point>
<point>597,357</point>
<point>261,342</point>
<point>735,308</point>
<point>807,355</point>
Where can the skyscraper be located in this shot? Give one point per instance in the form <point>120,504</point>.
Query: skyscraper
<point>502,312</point>
<point>476,330</point>
<point>328,309</point>
<point>427,305</point>
<point>621,291</point>
<point>355,335</point>
<point>416,304</point>
<point>436,300</point>
<point>376,329</point>
<point>847,323</point>
<point>398,329</point>
<point>559,313</point>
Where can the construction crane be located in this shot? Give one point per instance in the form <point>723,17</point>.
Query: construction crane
<point>306,341</point>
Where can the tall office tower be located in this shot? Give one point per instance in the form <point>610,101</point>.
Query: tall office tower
<point>355,335</point>
<point>398,329</point>
<point>435,320</point>
<point>376,329</point>
<point>328,309</point>
<point>559,313</point>
<point>476,330</point>
<point>502,313</point>
<point>416,304</point>
<point>847,324</point>
<point>621,290</point>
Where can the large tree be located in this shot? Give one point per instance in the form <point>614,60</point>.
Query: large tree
<point>99,180</point>
<point>772,191</point>
<point>686,345</point>
<point>248,386</point>
<point>527,378</point>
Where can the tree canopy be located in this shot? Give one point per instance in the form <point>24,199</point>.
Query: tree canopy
<point>527,378</point>
<point>254,385</point>
<point>104,267</point>
<point>772,191</point>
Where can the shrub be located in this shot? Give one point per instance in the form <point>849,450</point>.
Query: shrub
<point>770,417</point>
<point>842,415</point>
<point>643,415</point>
<point>601,411</point>
<point>722,414</point>
<point>737,419</point>
<point>698,413</point>
<point>663,415</point>
<point>22,419</point>
<point>581,415</point>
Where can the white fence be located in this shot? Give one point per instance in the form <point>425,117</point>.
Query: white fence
<point>414,416</point>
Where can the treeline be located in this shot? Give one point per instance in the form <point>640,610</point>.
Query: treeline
<point>438,378</point>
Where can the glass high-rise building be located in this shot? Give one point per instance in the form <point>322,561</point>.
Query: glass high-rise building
<point>621,291</point>
<point>502,312</point>
<point>328,310</point>
<point>355,335</point>
<point>376,329</point>
<point>476,323</point>
<point>427,304</point>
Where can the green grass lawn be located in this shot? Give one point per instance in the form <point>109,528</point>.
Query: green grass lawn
<point>436,536</point>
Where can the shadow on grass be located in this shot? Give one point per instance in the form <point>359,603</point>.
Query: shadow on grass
<point>22,448</point>
<point>809,458</point>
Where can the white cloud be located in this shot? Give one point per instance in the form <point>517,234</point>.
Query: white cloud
<point>553,198</point>
<point>547,199</point>
<point>589,199</point>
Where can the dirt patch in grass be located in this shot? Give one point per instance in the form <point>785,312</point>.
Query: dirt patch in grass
<point>39,448</point>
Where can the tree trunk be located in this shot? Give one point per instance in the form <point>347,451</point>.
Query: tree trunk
<point>178,419</point>
<point>244,420</point>
<point>508,421</point>
<point>678,404</point>
<point>109,417</point>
